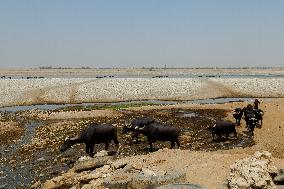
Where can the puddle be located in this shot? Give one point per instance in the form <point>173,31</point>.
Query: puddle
<point>222,100</point>
<point>189,115</point>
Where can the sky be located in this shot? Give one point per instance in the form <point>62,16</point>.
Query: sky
<point>141,33</point>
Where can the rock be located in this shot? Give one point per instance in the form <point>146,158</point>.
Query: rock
<point>36,185</point>
<point>3,186</point>
<point>127,168</point>
<point>83,158</point>
<point>224,185</point>
<point>51,185</point>
<point>280,187</point>
<point>117,181</point>
<point>104,169</point>
<point>163,150</point>
<point>105,175</point>
<point>88,177</point>
<point>148,172</point>
<point>98,183</point>
<point>160,172</point>
<point>12,162</point>
<point>66,180</point>
<point>41,159</point>
<point>92,163</point>
<point>58,179</point>
<point>89,186</point>
<point>281,171</point>
<point>182,186</point>
<point>142,181</point>
<point>279,179</point>
<point>119,164</point>
<point>252,172</point>
<point>137,166</point>
<point>101,153</point>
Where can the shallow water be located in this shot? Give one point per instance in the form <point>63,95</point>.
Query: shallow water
<point>185,75</point>
<point>22,174</point>
<point>154,102</point>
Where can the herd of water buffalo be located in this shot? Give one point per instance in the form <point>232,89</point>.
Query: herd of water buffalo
<point>156,131</point>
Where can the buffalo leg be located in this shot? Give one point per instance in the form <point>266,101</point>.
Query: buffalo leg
<point>213,134</point>
<point>106,145</point>
<point>90,149</point>
<point>87,148</point>
<point>178,144</point>
<point>235,133</point>
<point>172,144</point>
<point>237,121</point>
<point>252,129</point>
<point>116,143</point>
<point>151,145</point>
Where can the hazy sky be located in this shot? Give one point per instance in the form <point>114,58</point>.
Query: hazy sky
<point>136,33</point>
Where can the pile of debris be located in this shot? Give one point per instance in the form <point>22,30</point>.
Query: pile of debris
<point>256,171</point>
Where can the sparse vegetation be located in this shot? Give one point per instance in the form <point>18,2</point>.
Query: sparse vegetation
<point>103,107</point>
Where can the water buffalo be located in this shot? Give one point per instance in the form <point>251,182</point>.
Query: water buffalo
<point>136,123</point>
<point>223,127</point>
<point>156,131</point>
<point>252,117</point>
<point>91,135</point>
<point>238,113</point>
<point>258,115</point>
<point>251,122</point>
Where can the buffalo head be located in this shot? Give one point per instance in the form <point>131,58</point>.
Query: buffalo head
<point>66,145</point>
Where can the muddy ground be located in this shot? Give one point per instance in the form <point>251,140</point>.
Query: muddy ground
<point>35,155</point>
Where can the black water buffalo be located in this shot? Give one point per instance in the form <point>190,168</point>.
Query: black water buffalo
<point>252,117</point>
<point>223,128</point>
<point>142,121</point>
<point>135,124</point>
<point>248,108</point>
<point>238,113</point>
<point>93,134</point>
<point>156,131</point>
<point>251,121</point>
<point>258,115</point>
